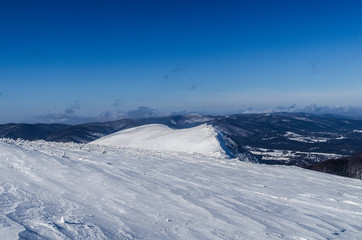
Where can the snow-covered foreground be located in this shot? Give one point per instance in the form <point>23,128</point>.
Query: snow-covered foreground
<point>75,191</point>
<point>201,139</point>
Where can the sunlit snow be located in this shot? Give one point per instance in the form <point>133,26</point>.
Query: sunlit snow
<point>202,139</point>
<point>80,191</point>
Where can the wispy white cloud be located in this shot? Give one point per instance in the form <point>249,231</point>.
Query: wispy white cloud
<point>222,103</point>
<point>70,118</point>
<point>268,98</point>
<point>72,108</point>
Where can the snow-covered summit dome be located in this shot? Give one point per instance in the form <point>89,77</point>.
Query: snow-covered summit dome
<point>202,139</point>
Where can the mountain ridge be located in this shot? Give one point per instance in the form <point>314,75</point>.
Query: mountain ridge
<point>271,138</point>
<point>203,139</point>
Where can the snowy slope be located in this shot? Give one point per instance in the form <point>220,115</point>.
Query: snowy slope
<point>202,139</point>
<point>77,191</point>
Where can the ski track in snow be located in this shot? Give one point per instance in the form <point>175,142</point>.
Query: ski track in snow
<point>79,191</point>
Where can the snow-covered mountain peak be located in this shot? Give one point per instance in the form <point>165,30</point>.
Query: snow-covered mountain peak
<point>203,139</point>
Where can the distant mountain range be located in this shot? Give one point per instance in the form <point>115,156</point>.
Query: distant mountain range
<point>336,111</point>
<point>275,138</point>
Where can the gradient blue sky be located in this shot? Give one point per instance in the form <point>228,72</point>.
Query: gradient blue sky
<point>97,60</point>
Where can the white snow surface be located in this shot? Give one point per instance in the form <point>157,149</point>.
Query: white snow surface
<point>310,139</point>
<point>80,191</point>
<point>202,139</point>
<point>285,155</point>
<point>307,139</point>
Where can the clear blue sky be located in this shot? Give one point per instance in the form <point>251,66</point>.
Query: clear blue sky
<point>97,60</point>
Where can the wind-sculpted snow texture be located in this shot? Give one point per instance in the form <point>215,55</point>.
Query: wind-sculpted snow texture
<point>201,139</point>
<point>78,191</point>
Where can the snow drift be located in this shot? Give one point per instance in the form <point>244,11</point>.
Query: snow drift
<point>202,139</point>
<point>83,191</point>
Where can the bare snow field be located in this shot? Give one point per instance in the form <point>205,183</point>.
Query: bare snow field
<point>201,139</point>
<point>86,191</point>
